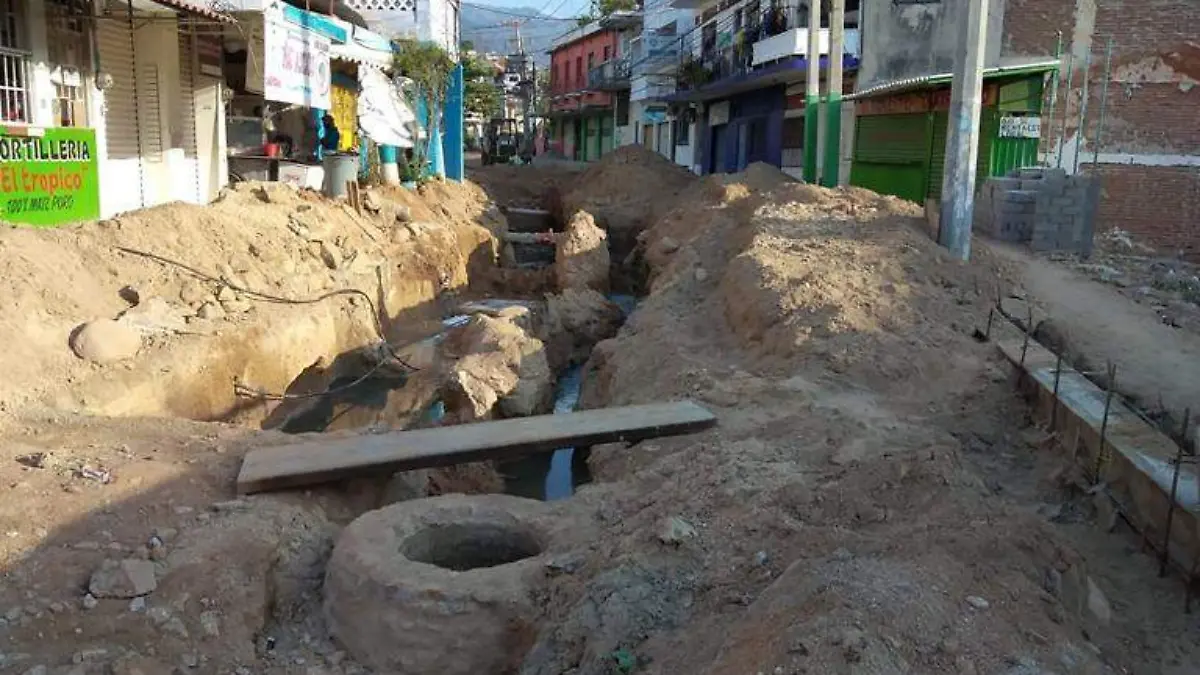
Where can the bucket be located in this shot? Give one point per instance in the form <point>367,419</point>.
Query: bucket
<point>339,168</point>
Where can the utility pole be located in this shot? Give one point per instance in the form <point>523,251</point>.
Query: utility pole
<point>812,94</point>
<point>833,101</point>
<point>962,138</point>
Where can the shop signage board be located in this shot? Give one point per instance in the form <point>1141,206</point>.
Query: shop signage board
<point>295,65</point>
<point>48,176</point>
<point>1020,127</point>
<point>936,100</point>
<point>321,25</point>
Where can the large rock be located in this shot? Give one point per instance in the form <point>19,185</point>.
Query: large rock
<point>574,322</point>
<point>581,255</point>
<point>497,367</point>
<point>442,585</point>
<point>123,579</point>
<point>106,341</point>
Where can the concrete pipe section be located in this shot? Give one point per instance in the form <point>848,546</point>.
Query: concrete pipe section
<point>439,585</point>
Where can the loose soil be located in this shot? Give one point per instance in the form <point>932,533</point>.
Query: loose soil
<point>1135,311</point>
<point>873,501</point>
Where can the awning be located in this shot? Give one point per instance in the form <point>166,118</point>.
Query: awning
<point>196,8</point>
<point>361,45</point>
<point>360,55</point>
<point>926,81</point>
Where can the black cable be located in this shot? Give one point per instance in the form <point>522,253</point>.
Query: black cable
<point>517,14</point>
<point>245,391</point>
<point>241,389</point>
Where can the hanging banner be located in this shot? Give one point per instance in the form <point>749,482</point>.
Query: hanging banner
<point>48,176</point>
<point>295,65</point>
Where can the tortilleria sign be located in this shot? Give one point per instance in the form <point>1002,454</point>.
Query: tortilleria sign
<point>48,176</point>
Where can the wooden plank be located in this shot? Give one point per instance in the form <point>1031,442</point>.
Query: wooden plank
<point>322,460</point>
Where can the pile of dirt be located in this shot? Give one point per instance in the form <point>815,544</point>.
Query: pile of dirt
<point>626,191</point>
<point>523,187</point>
<point>581,255</point>
<point>574,322</point>
<point>802,274</point>
<point>834,522</point>
<point>189,278</point>
<point>498,368</point>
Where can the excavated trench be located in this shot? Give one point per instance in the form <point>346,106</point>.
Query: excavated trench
<point>355,391</point>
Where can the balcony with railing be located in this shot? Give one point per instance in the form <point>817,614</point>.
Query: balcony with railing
<point>612,75</point>
<point>746,38</point>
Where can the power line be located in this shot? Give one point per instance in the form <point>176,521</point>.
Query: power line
<point>517,14</point>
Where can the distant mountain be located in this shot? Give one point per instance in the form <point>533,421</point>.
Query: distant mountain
<point>492,30</point>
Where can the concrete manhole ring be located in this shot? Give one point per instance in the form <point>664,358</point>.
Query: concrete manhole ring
<point>439,585</point>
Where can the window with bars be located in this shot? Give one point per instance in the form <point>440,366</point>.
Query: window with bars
<point>69,58</point>
<point>14,64</point>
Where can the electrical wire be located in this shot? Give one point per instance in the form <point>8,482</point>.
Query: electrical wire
<point>248,392</point>
<point>245,391</point>
<point>518,15</point>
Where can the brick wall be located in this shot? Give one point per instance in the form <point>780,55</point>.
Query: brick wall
<point>1158,204</point>
<point>1151,108</point>
<point>1031,26</point>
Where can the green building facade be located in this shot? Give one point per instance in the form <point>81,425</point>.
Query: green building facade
<point>900,131</point>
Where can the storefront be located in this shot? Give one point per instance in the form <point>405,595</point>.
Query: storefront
<point>282,80</point>
<point>49,158</point>
<point>293,73</point>
<point>742,130</point>
<point>900,135</point>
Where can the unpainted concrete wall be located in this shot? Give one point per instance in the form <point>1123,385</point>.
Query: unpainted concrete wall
<point>902,41</point>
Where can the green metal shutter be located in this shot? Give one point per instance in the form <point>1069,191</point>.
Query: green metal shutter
<point>891,154</point>
<point>989,126</point>
<point>940,123</point>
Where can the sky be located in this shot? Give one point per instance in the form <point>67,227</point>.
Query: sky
<point>558,8</point>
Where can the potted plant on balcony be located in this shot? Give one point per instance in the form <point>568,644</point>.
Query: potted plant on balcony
<point>693,74</point>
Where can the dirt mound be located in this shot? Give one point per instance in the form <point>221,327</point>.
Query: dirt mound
<point>574,321</point>
<point>526,187</point>
<point>497,369</point>
<point>802,273</point>
<point>626,191</point>
<point>581,255</point>
<point>191,264</point>
<point>832,522</point>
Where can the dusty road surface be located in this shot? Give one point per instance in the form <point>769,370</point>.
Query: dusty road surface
<point>1158,363</point>
<point>874,499</point>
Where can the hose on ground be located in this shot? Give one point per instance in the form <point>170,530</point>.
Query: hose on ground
<point>245,391</point>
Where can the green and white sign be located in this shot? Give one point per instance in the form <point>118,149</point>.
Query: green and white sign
<point>48,176</point>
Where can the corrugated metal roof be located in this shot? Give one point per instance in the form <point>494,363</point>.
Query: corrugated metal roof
<point>196,8</point>
<point>914,83</point>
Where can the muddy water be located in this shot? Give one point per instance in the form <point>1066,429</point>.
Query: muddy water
<point>551,475</point>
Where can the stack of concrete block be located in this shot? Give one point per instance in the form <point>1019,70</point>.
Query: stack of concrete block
<point>1004,210</point>
<point>1044,208</point>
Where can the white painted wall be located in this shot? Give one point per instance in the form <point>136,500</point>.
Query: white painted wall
<point>656,15</point>
<point>685,154</point>
<point>170,170</point>
<point>433,20</point>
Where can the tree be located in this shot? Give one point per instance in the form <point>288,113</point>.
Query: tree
<point>466,46</point>
<point>429,67</point>
<point>607,7</point>
<point>480,93</point>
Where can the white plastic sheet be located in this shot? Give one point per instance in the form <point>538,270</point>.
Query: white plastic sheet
<point>383,113</point>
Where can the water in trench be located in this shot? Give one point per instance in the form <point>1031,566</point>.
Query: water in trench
<point>556,475</point>
<point>551,475</point>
